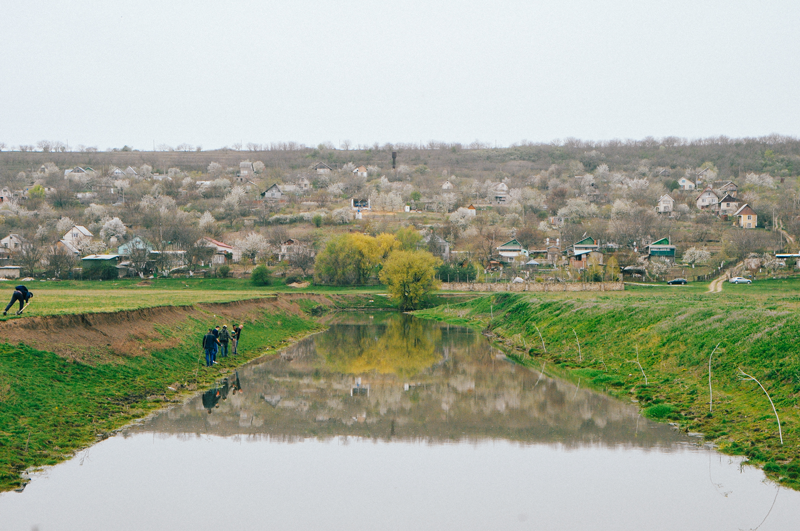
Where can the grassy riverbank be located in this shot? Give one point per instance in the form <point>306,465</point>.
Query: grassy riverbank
<point>594,339</point>
<point>51,405</point>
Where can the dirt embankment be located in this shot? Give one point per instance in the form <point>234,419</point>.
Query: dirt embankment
<point>96,337</point>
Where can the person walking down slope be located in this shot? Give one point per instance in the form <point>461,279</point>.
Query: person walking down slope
<point>224,338</point>
<point>20,294</point>
<point>210,347</point>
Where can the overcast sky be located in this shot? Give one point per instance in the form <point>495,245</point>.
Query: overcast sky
<point>145,72</point>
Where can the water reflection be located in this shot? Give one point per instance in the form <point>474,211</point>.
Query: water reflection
<point>391,376</point>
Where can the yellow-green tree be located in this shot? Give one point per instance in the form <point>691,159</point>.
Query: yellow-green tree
<point>353,258</point>
<point>408,237</point>
<point>410,276</point>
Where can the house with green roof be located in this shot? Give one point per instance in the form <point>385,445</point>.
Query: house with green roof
<point>661,248</point>
<point>512,251</point>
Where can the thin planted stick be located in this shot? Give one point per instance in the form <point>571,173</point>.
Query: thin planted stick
<point>744,376</point>
<point>710,391</point>
<point>576,389</point>
<point>604,364</point>
<point>580,356</point>
<point>636,361</point>
<point>540,337</point>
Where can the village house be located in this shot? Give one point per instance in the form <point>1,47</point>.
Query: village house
<point>76,171</point>
<point>321,168</point>
<point>12,243</point>
<point>499,193</point>
<point>447,185</point>
<point>77,235</point>
<point>512,251</point>
<point>361,171</point>
<point>360,204</point>
<point>686,184</point>
<point>665,204</point>
<point>304,184</point>
<point>437,246</point>
<point>746,217</point>
<point>661,248</point>
<point>728,205</point>
<point>246,172</point>
<point>584,258</point>
<point>707,200</point>
<point>6,195</point>
<point>725,187</point>
<point>273,193</point>
<point>586,244</point>
<point>68,248</point>
<point>222,251</point>
<point>292,248</point>
<point>9,272</point>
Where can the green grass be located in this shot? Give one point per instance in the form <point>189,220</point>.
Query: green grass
<point>71,297</point>
<point>675,331</point>
<point>51,407</point>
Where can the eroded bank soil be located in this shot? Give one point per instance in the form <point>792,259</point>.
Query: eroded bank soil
<point>102,337</point>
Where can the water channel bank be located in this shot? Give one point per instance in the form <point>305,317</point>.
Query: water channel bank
<point>657,352</point>
<point>388,421</point>
<point>69,381</point>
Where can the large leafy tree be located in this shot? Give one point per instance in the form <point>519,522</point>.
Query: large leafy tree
<point>410,277</point>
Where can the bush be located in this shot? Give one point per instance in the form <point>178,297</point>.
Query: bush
<point>223,271</point>
<point>261,276</point>
<point>101,271</point>
<point>291,279</point>
<point>317,220</point>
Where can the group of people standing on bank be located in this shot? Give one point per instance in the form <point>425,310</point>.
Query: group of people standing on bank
<point>217,340</point>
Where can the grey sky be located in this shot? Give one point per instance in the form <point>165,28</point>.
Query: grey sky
<point>143,72</point>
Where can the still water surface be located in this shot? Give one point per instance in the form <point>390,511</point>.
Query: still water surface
<point>390,422</point>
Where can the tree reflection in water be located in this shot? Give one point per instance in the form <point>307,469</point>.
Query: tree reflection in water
<point>404,346</point>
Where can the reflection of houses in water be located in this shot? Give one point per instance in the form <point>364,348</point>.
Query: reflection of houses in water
<point>358,389</point>
<point>472,396</point>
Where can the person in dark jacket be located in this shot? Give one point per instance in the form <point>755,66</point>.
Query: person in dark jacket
<point>237,332</point>
<point>215,331</point>
<point>20,294</point>
<point>224,338</point>
<point>210,347</point>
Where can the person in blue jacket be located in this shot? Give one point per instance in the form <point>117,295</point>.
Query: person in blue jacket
<point>210,347</point>
<point>22,295</point>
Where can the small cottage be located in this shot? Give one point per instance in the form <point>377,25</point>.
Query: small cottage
<point>746,217</point>
<point>665,204</point>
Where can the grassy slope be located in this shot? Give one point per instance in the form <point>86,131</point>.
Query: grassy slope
<point>675,331</point>
<point>50,407</point>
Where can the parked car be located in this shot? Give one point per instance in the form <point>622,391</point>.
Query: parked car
<point>740,280</point>
<point>675,281</point>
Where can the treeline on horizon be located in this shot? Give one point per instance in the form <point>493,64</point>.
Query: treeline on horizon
<point>733,157</point>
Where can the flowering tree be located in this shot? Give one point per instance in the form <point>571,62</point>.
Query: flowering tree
<point>253,245</point>
<point>113,228</point>
<point>696,256</point>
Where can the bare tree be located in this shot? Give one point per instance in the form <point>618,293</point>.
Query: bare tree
<point>60,262</point>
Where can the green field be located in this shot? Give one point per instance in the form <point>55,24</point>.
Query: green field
<point>594,338</point>
<point>72,297</point>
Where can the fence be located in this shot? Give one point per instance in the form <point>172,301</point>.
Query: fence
<point>534,286</point>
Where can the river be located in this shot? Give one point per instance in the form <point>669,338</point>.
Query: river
<point>386,421</point>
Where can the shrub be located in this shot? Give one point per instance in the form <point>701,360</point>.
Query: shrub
<point>223,271</point>
<point>100,271</point>
<point>261,276</point>
<point>317,220</point>
<point>291,279</point>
